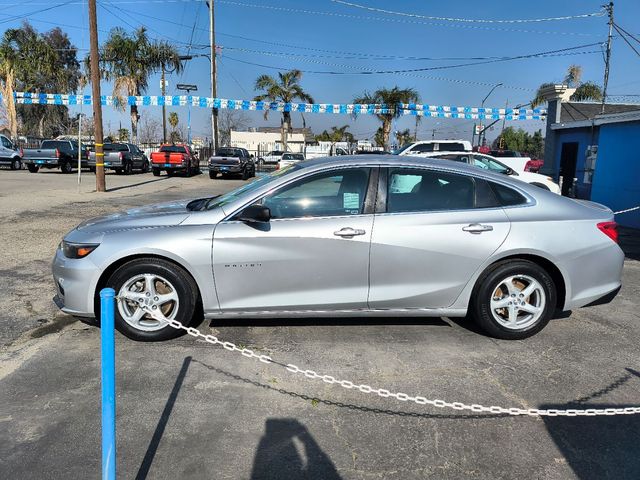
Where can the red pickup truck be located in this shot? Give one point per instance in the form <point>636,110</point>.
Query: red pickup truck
<point>174,158</point>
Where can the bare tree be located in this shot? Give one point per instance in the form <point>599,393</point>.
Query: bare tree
<point>230,120</point>
<point>150,130</point>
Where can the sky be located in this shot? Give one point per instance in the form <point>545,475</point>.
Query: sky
<point>258,37</point>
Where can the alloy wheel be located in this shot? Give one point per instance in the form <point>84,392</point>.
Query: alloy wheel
<point>149,291</point>
<point>518,302</point>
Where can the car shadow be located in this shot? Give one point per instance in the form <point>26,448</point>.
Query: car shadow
<point>602,447</point>
<point>114,189</point>
<point>143,471</point>
<point>288,450</point>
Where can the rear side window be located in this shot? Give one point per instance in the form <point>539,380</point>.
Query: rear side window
<point>507,196</point>
<point>422,148</point>
<point>416,190</point>
<point>451,147</point>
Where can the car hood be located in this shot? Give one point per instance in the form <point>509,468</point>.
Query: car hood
<point>158,215</point>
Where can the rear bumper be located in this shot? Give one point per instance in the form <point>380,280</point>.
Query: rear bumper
<point>46,163</point>
<point>225,168</point>
<point>608,298</point>
<point>168,166</point>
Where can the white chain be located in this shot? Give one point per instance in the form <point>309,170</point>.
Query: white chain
<point>403,397</point>
<point>627,210</point>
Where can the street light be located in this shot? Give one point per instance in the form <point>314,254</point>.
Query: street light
<point>187,87</point>
<point>482,106</point>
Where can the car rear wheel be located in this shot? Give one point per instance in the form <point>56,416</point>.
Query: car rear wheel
<point>154,284</point>
<point>66,167</point>
<point>245,173</point>
<point>156,172</point>
<point>33,168</point>
<point>128,168</point>
<point>514,300</point>
<point>16,164</point>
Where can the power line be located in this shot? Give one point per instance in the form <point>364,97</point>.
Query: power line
<point>558,52</point>
<point>599,13</point>
<point>625,39</point>
<point>41,10</point>
<point>628,34</point>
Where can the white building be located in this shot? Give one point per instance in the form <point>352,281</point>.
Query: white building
<point>264,142</point>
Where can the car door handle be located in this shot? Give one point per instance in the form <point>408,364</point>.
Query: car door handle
<point>349,232</point>
<point>477,228</point>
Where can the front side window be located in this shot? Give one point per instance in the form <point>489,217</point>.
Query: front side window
<point>417,190</point>
<point>6,143</point>
<point>335,193</point>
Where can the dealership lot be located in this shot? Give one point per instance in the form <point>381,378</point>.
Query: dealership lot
<point>190,410</point>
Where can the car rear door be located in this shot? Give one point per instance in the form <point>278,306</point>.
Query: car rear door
<point>433,229</point>
<point>312,255</point>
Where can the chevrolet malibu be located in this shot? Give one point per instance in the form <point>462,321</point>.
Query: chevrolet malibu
<point>346,236</point>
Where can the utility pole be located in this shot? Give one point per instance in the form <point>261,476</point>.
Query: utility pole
<point>214,88</point>
<point>164,109</point>
<point>95,92</point>
<point>609,9</point>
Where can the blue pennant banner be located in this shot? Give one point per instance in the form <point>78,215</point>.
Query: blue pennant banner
<point>423,110</point>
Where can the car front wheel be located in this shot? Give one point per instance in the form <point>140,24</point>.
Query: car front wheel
<point>156,285</point>
<point>514,300</point>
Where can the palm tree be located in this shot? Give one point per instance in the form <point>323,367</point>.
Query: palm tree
<point>404,137</point>
<point>173,121</point>
<point>286,88</point>
<point>129,60</point>
<point>584,91</point>
<point>391,98</point>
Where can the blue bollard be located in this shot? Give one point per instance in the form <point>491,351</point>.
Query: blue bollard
<point>108,375</point>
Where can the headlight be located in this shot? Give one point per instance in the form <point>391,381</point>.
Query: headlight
<point>77,250</point>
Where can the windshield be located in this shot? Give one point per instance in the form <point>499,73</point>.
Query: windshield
<point>489,164</point>
<point>233,195</point>
<point>401,149</point>
<point>227,152</point>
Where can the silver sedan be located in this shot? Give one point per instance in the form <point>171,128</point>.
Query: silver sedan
<point>346,236</point>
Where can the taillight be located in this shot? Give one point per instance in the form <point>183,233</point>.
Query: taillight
<point>57,153</point>
<point>21,152</point>
<point>610,229</point>
<point>278,166</point>
<point>528,166</point>
<point>121,156</point>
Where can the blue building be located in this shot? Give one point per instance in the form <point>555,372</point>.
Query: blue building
<point>595,156</point>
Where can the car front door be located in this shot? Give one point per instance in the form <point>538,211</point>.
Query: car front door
<point>434,229</point>
<point>312,255</point>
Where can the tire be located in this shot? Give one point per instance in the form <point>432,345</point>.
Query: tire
<point>253,170</point>
<point>540,185</point>
<point>66,167</point>
<point>507,279</point>
<point>128,168</point>
<point>212,174</point>
<point>167,279</point>
<point>245,173</point>
<point>145,167</point>
<point>16,164</point>
<point>188,172</point>
<point>156,172</point>
<point>33,168</point>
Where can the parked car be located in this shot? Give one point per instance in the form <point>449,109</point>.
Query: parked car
<point>121,157</point>
<point>514,159</point>
<point>290,159</point>
<point>487,162</point>
<point>272,157</point>
<point>431,147</point>
<point>10,155</point>
<point>61,154</point>
<point>173,159</point>
<point>346,236</point>
<point>231,160</point>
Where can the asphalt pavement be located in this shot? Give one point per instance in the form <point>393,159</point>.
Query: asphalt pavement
<point>187,409</point>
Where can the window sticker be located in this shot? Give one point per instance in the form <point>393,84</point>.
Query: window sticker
<point>351,201</point>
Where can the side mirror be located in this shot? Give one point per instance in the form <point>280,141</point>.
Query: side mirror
<point>511,171</point>
<point>255,214</point>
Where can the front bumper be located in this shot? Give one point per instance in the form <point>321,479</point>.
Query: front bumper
<point>225,168</point>
<point>75,281</point>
